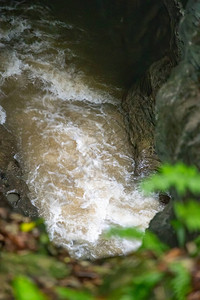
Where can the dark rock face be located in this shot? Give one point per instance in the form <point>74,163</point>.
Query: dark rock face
<point>178,101</point>
<point>176,119</point>
<point>139,103</point>
<point>178,126</point>
<point>167,101</point>
<point>13,190</point>
<point>161,225</point>
<point>178,113</point>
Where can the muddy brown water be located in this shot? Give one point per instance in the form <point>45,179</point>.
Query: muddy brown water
<point>72,140</point>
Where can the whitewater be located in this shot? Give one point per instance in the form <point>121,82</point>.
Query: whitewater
<point>73,146</point>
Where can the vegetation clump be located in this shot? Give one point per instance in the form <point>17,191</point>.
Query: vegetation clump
<point>35,269</point>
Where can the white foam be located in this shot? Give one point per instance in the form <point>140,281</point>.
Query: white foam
<point>67,85</point>
<point>12,66</point>
<point>2,115</point>
<point>81,188</point>
<point>74,148</point>
<point>18,26</point>
<point>62,80</point>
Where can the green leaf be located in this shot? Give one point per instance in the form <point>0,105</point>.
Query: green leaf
<point>180,231</point>
<point>179,176</point>
<point>151,242</point>
<point>25,289</point>
<point>189,214</point>
<point>197,242</point>
<point>181,281</point>
<point>127,233</point>
<point>143,284</point>
<point>69,294</point>
<point>154,183</point>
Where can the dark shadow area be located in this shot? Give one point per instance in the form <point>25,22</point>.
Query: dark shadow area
<point>123,37</point>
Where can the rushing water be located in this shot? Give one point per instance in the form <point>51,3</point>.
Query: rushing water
<point>72,141</point>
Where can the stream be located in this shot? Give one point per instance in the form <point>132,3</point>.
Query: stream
<point>69,126</point>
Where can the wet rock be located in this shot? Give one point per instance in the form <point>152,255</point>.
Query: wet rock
<point>167,101</point>
<point>164,198</point>
<point>13,198</point>
<point>175,10</point>
<point>161,226</point>
<point>139,105</point>
<point>13,189</point>
<point>178,112</point>
<point>178,101</point>
<point>139,102</point>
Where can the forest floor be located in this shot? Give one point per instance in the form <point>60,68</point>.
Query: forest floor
<point>25,250</point>
<point>26,253</point>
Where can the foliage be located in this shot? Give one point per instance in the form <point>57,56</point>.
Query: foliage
<point>181,281</point>
<point>25,289</point>
<point>28,226</point>
<point>180,232</point>
<point>143,285</point>
<point>179,176</point>
<point>151,242</point>
<point>128,233</point>
<point>70,294</point>
<point>39,266</point>
<point>183,179</point>
<point>188,214</point>
<point>153,272</point>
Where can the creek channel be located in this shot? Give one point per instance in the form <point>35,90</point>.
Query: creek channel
<point>73,145</point>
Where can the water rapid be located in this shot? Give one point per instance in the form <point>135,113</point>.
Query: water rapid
<point>73,146</point>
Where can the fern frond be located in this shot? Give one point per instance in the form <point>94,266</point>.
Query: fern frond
<point>181,281</point>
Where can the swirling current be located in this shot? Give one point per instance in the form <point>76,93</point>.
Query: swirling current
<point>73,145</point>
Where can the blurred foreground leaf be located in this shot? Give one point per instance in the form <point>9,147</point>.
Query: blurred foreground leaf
<point>126,233</point>
<point>151,242</point>
<point>179,176</point>
<point>143,285</point>
<point>189,214</point>
<point>69,294</point>
<point>181,281</point>
<point>180,232</point>
<point>25,289</point>
<point>35,265</point>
